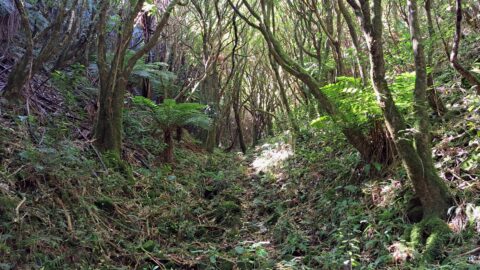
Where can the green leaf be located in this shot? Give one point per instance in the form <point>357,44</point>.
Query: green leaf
<point>239,250</point>
<point>213,259</point>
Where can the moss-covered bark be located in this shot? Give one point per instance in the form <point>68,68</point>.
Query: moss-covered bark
<point>109,124</point>
<point>428,237</point>
<point>114,75</point>
<point>413,146</point>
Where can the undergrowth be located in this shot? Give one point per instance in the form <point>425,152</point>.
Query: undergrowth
<point>63,206</point>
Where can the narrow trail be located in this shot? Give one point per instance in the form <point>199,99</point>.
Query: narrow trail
<point>262,184</point>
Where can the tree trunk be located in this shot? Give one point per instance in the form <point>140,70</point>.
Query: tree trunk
<point>168,140</point>
<point>17,78</point>
<point>355,40</point>
<point>147,30</point>
<point>212,137</point>
<point>22,71</point>
<point>432,190</point>
<point>179,134</point>
<point>283,97</point>
<point>433,98</point>
<point>418,163</point>
<point>108,128</point>
<point>467,75</point>
<point>238,121</point>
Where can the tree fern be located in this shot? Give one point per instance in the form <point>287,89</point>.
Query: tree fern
<point>170,115</point>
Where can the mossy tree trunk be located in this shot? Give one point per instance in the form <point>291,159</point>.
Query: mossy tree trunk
<point>430,188</point>
<point>114,75</point>
<point>414,149</point>
<point>109,124</point>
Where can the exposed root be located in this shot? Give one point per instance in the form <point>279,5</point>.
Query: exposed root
<point>429,237</point>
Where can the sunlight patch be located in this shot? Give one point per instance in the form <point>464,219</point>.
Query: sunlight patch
<point>271,157</point>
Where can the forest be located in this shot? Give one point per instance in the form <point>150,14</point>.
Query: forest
<point>239,134</point>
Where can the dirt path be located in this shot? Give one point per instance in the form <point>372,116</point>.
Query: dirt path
<point>260,186</point>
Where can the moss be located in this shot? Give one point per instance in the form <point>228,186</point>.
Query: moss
<point>439,235</point>
<point>114,162</point>
<point>416,235</point>
<point>431,234</point>
<point>149,246</point>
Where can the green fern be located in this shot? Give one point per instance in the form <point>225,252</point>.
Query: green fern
<point>358,102</point>
<point>171,114</point>
<point>155,72</point>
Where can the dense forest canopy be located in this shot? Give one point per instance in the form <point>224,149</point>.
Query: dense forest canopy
<point>239,134</point>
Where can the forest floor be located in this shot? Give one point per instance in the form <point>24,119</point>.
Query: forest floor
<point>303,206</point>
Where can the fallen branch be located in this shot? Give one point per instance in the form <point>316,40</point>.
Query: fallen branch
<point>473,251</point>
<point>67,216</point>
<point>17,209</point>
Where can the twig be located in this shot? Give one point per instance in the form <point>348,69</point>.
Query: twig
<point>17,209</point>
<point>473,251</point>
<point>67,216</point>
<point>159,264</point>
<point>16,171</point>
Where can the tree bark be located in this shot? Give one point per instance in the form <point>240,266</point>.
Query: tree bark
<point>238,121</point>
<point>114,75</point>
<point>109,122</point>
<point>147,30</point>
<point>467,75</point>
<point>417,161</point>
<point>168,140</point>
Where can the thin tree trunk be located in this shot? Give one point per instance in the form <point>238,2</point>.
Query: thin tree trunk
<point>434,99</point>
<point>238,121</point>
<point>355,40</point>
<point>283,97</point>
<point>179,134</point>
<point>467,75</point>
<point>168,140</point>
<point>147,30</point>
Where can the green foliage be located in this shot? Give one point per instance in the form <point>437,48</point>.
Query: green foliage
<point>156,72</point>
<point>67,82</point>
<point>358,102</point>
<point>438,234</point>
<point>171,114</point>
